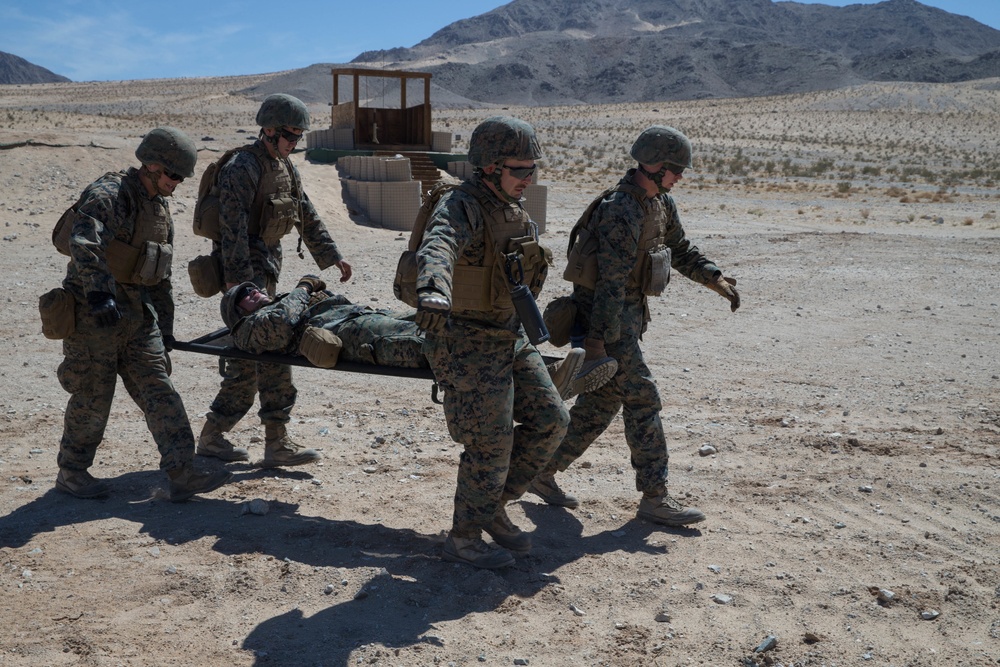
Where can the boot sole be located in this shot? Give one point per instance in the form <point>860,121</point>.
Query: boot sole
<point>187,495</point>
<point>99,493</point>
<point>284,464</point>
<point>665,522</point>
<point>596,378</point>
<point>455,558</point>
<point>555,502</point>
<point>228,458</point>
<point>576,361</point>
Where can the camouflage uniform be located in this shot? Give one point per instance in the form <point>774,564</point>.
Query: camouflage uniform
<point>616,313</point>
<point>369,336</point>
<point>133,348</point>
<point>248,258</point>
<point>491,375</point>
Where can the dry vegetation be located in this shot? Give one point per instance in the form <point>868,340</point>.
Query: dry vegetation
<point>852,402</point>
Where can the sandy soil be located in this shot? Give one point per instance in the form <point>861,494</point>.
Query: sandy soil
<point>852,403</point>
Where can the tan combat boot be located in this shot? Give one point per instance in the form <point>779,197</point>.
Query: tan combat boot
<point>658,507</point>
<point>545,487</point>
<point>188,481</point>
<point>465,545</point>
<point>81,484</point>
<point>213,442</point>
<point>563,372</point>
<point>280,450</point>
<point>506,534</point>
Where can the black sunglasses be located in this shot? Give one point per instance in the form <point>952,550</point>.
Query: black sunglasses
<point>674,169</point>
<point>521,173</point>
<point>290,136</point>
<point>173,177</point>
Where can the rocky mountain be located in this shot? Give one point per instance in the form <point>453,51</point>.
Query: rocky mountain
<point>549,52</point>
<point>14,69</point>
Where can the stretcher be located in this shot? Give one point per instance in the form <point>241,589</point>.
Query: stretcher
<point>220,344</point>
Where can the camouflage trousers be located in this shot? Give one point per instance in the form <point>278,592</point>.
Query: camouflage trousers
<point>376,338</point>
<point>632,390</point>
<point>94,358</point>
<point>488,386</point>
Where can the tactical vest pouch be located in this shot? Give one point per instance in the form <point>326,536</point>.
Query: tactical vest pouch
<point>278,218</point>
<point>63,230</point>
<point>320,347</point>
<point>470,289</point>
<point>154,263</point>
<point>404,285</point>
<point>581,262</point>
<point>206,275</point>
<point>559,316</point>
<point>57,308</point>
<point>656,274</point>
<point>121,259</point>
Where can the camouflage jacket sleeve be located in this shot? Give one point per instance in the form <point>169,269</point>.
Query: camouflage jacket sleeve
<point>617,222</point>
<point>317,239</point>
<point>454,231</point>
<point>685,256</point>
<point>273,328</point>
<point>238,180</point>
<point>104,211</point>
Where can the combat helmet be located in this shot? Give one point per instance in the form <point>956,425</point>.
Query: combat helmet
<point>230,304</point>
<point>660,143</point>
<point>503,138</point>
<point>171,148</point>
<point>279,110</point>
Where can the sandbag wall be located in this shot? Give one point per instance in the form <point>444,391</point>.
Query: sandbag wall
<point>382,187</point>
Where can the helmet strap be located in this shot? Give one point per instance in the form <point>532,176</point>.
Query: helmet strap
<point>495,178</point>
<point>154,178</point>
<point>656,178</point>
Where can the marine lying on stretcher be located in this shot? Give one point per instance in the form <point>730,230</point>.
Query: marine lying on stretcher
<point>326,328</point>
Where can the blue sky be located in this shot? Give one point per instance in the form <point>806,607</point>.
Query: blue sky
<point>102,40</point>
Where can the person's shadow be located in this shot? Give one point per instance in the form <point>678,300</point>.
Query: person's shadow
<point>397,607</point>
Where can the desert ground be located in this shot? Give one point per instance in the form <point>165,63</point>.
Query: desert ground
<point>851,407</point>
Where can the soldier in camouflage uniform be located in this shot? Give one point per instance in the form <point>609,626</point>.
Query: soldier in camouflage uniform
<point>491,375</point>
<point>360,334</point>
<point>261,199</point>
<point>120,247</point>
<point>632,238</point>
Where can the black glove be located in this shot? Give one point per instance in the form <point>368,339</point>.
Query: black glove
<point>168,342</point>
<point>103,309</point>
<point>432,312</point>
<point>311,283</point>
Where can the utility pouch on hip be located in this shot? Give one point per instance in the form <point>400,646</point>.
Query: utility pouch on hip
<point>57,308</point>
<point>657,273</point>
<point>320,347</point>
<point>206,275</point>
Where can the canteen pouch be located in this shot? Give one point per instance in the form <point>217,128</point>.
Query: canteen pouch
<point>657,273</point>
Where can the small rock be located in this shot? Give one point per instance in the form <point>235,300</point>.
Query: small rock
<point>865,489</point>
<point>257,506</point>
<point>707,450</point>
<point>576,610</point>
<point>662,617</point>
<point>768,644</point>
<point>328,589</point>
<point>521,661</point>
<point>885,596</point>
<point>929,614</point>
<point>720,598</point>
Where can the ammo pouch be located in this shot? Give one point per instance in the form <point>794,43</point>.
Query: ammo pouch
<point>656,272</point>
<point>206,275</point>
<point>320,347</point>
<point>404,284</point>
<point>559,316</point>
<point>581,264</point>
<point>278,218</point>
<point>146,265</point>
<point>57,308</point>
